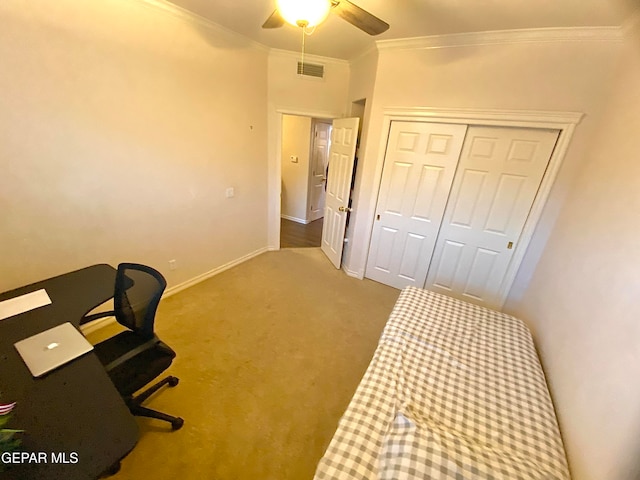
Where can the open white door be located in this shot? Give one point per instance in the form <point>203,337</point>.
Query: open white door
<point>318,169</point>
<point>344,136</point>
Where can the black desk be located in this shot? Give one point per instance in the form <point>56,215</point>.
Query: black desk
<point>75,408</point>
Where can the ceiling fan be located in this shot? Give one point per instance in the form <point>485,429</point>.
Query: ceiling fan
<point>309,14</point>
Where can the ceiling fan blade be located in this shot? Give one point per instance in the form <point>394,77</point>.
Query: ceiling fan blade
<point>274,21</point>
<point>359,18</point>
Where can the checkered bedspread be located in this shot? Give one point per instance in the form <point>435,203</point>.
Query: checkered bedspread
<point>454,391</point>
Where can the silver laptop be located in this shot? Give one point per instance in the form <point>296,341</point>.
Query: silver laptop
<point>52,348</point>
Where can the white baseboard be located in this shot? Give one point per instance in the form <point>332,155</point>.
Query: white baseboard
<point>103,322</point>
<point>201,278</point>
<point>96,325</point>
<point>352,273</point>
<point>295,219</point>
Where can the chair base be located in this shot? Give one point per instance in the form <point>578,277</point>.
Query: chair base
<point>136,408</point>
<point>112,470</point>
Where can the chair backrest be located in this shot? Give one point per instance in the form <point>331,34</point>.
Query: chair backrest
<point>137,293</point>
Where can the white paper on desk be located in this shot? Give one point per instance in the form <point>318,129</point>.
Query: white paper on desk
<point>24,303</point>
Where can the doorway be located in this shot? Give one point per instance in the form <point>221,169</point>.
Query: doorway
<point>305,145</point>
<point>299,235</point>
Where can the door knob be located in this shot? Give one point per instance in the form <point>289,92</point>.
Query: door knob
<point>344,209</point>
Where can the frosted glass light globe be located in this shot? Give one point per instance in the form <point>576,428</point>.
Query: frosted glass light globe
<point>304,13</point>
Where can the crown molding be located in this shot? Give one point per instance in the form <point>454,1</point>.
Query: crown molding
<point>199,21</point>
<point>489,116</point>
<point>532,35</point>
<point>276,52</point>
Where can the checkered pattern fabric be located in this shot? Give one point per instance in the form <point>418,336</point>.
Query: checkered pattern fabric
<point>454,391</point>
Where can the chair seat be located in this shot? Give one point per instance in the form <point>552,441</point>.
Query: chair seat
<point>139,370</point>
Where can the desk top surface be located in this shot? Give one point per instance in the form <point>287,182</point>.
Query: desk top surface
<point>74,409</point>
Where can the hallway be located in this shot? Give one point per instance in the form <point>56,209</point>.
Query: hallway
<point>297,235</point>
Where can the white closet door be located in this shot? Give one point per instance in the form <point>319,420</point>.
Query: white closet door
<point>419,167</point>
<point>498,176</point>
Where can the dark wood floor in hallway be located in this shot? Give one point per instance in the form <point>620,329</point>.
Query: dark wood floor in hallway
<point>299,235</point>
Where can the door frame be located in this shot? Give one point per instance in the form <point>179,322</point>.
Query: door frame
<point>563,121</point>
<point>274,152</point>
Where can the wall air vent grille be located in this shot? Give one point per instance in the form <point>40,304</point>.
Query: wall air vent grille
<point>311,70</point>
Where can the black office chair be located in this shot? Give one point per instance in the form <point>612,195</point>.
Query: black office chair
<point>136,357</point>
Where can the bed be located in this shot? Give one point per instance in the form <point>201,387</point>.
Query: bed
<point>454,391</point>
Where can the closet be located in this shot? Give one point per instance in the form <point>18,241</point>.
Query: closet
<point>452,204</point>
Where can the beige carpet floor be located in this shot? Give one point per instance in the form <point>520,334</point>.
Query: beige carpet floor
<point>269,354</point>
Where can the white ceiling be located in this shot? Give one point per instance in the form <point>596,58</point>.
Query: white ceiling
<point>410,18</point>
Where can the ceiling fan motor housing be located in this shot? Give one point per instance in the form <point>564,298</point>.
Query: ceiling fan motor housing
<point>308,13</point>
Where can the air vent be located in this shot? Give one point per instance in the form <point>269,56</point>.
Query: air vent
<point>311,70</point>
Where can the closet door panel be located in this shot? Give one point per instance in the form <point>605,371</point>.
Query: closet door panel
<point>419,167</point>
<point>497,179</point>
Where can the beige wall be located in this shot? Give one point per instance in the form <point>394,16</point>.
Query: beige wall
<point>361,84</point>
<point>121,126</point>
<point>555,76</point>
<point>296,140</point>
<point>117,144</point>
<point>289,93</point>
<point>288,90</point>
<point>583,301</point>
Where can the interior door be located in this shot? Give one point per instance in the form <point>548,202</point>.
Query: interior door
<point>344,137</point>
<point>318,168</point>
<point>498,176</point>
<point>419,167</point>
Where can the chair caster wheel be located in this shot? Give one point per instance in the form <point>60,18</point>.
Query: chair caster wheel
<point>177,423</point>
<point>173,381</point>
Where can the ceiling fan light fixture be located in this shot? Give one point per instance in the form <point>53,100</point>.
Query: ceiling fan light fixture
<point>304,13</point>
